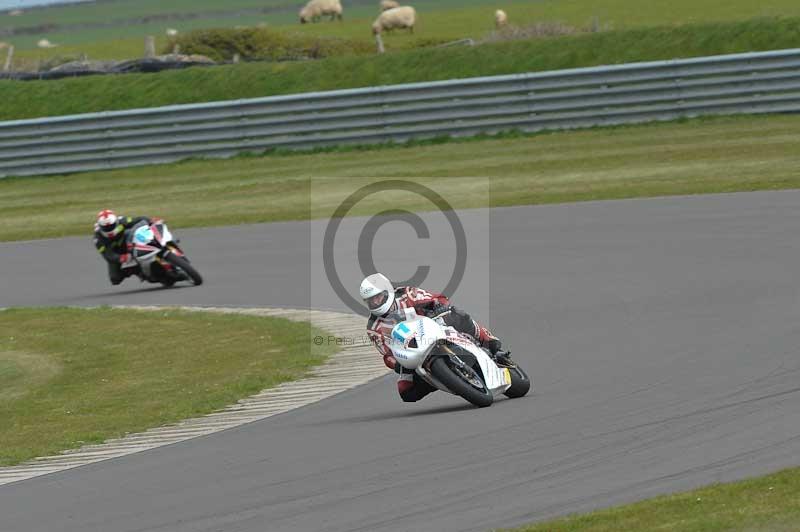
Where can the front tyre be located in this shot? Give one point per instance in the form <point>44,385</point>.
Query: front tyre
<point>183,264</point>
<point>520,383</point>
<point>464,382</point>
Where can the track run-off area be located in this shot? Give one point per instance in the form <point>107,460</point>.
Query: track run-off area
<point>661,335</point>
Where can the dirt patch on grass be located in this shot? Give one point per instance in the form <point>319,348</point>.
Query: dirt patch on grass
<point>21,372</point>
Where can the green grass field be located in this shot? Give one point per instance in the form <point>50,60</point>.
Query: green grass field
<point>467,16</point>
<point>65,382</point>
<point>472,18</point>
<point>700,156</point>
<point>99,93</point>
<point>438,20</point>
<point>621,11</point>
<point>765,504</point>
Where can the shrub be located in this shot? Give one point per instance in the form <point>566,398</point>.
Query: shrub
<point>58,60</point>
<point>263,44</point>
<point>542,30</point>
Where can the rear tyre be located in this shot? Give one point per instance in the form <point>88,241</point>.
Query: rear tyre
<point>184,265</point>
<point>457,383</point>
<point>520,383</point>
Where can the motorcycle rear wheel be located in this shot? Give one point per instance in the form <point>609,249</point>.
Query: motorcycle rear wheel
<point>458,385</point>
<point>186,266</point>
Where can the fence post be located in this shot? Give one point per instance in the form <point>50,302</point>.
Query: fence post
<point>9,57</point>
<point>149,46</point>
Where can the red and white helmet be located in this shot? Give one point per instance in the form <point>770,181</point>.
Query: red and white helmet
<point>107,223</point>
<point>378,293</point>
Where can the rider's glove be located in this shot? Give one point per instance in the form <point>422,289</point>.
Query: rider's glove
<point>437,311</point>
<point>125,257</point>
<point>493,345</point>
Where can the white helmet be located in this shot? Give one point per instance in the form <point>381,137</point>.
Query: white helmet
<point>378,293</point>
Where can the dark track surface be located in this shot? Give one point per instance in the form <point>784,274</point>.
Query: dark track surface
<point>662,336</point>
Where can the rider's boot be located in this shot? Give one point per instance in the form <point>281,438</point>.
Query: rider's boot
<point>487,340</point>
<point>463,322</point>
<point>493,344</point>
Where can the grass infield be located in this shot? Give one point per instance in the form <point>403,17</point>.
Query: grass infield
<point>724,154</point>
<point>66,381</point>
<point>765,504</point>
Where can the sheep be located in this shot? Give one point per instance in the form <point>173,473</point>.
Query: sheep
<point>315,9</point>
<point>44,43</point>
<point>500,18</point>
<point>172,32</point>
<point>388,4</point>
<point>398,17</point>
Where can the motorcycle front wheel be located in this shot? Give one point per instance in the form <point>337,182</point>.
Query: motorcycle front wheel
<point>520,383</point>
<point>185,265</point>
<point>463,381</point>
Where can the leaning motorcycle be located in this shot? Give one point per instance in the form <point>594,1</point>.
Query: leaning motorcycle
<point>156,253</point>
<point>452,362</point>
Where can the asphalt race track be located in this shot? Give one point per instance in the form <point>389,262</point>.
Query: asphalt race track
<point>662,336</point>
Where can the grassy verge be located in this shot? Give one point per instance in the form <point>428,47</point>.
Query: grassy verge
<point>100,93</point>
<point>65,381</point>
<point>723,154</point>
<point>765,504</point>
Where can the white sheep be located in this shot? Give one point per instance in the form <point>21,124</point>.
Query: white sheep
<point>172,32</point>
<point>500,18</point>
<point>391,19</point>
<point>315,9</point>
<point>388,4</point>
<point>44,43</point>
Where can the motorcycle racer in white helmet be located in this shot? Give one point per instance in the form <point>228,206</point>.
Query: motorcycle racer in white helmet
<point>387,305</point>
<point>378,294</point>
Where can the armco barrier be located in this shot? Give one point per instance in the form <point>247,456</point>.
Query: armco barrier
<point>764,82</point>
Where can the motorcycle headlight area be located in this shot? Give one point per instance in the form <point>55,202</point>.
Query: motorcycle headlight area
<point>143,235</point>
